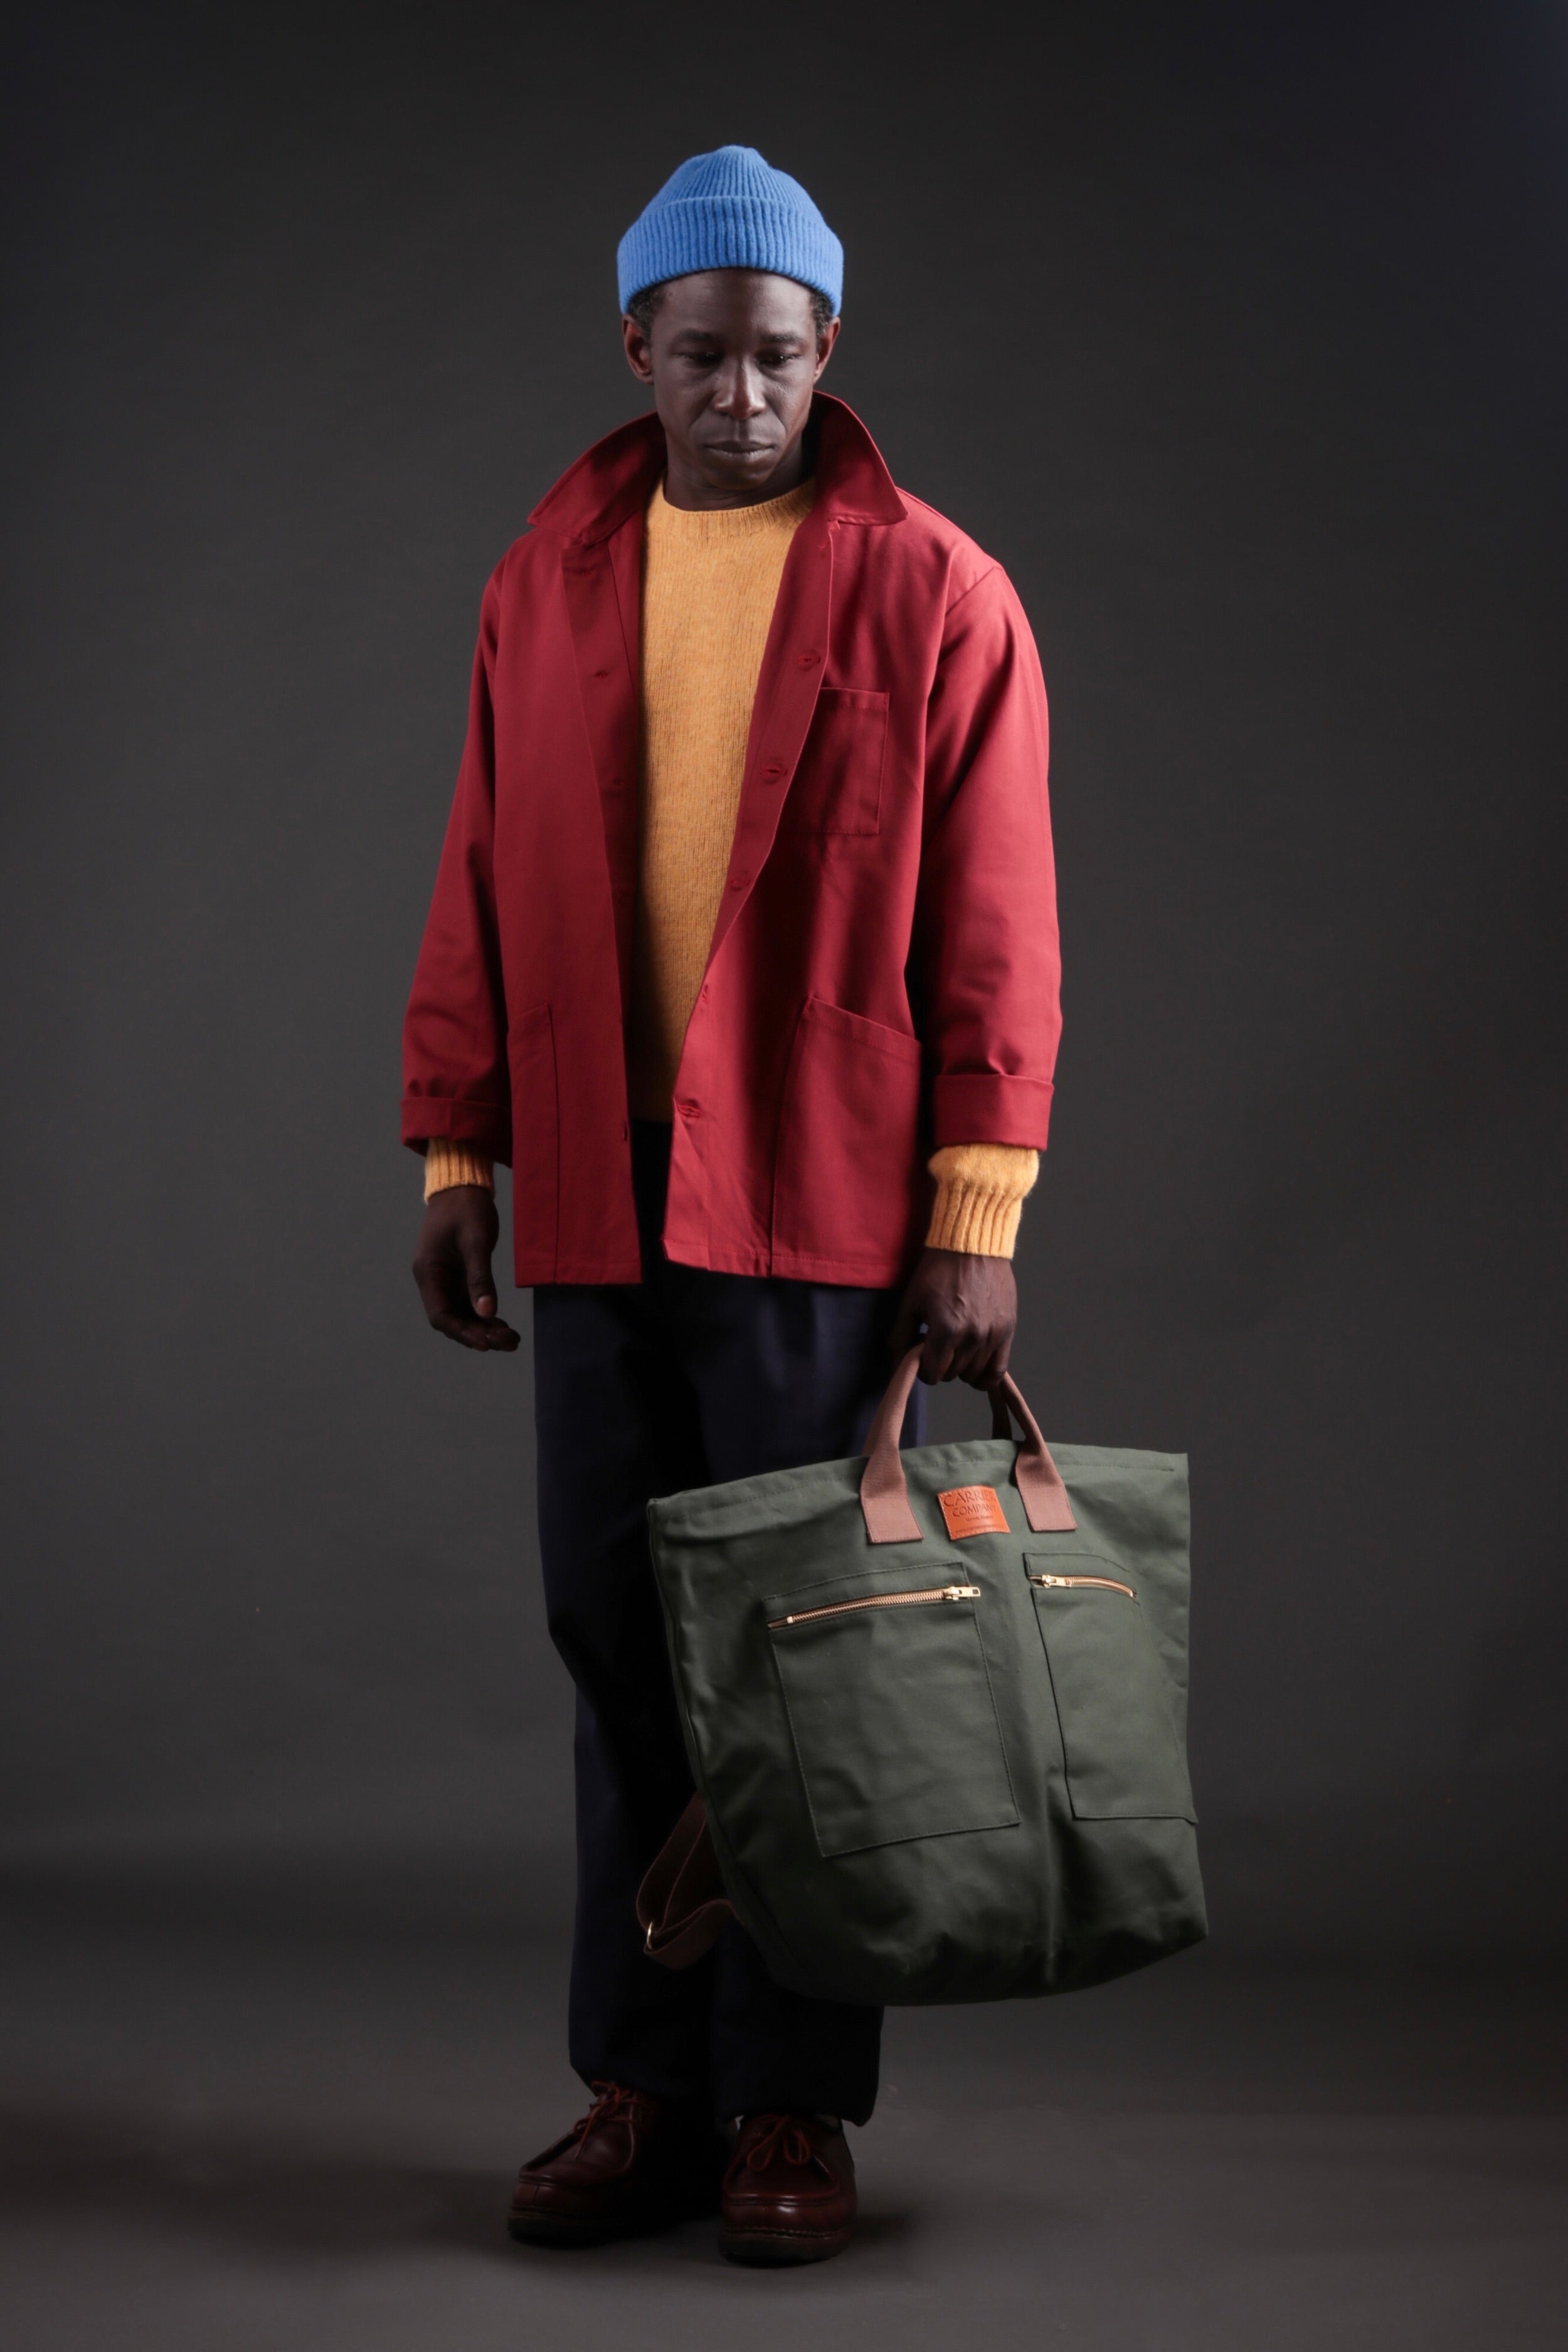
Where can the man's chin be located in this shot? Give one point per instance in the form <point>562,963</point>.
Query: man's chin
<point>734,469</point>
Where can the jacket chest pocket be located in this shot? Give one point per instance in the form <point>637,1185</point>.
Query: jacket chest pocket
<point>838,786</point>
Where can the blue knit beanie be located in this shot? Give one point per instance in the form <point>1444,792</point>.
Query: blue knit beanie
<point>730,210</point>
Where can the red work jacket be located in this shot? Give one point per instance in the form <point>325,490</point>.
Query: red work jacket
<point>882,977</point>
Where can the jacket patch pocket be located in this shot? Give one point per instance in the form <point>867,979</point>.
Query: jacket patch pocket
<point>838,784</point>
<point>848,1153</point>
<point>1123,1760</point>
<point>889,1705</point>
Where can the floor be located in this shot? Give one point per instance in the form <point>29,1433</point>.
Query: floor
<point>243,2137</point>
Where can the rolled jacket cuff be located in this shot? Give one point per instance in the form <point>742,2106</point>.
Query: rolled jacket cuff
<point>484,1127</point>
<point>980,1194</point>
<point>446,1164</point>
<point>988,1107</point>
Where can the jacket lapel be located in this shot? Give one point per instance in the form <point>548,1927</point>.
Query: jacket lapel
<point>854,485</point>
<point>788,689</point>
<point>598,507</point>
<point>602,581</point>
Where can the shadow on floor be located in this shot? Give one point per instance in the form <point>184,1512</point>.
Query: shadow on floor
<point>222,2181</point>
<point>232,2186</point>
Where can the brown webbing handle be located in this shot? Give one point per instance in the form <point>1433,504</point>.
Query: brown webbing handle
<point>884,1496</point>
<point>1036,1475</point>
<point>681,1903</point>
<point>884,1491</point>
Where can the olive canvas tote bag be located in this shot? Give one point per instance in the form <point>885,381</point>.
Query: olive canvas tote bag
<point>935,1706</point>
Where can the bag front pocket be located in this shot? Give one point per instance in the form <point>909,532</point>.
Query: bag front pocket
<point>1123,1761</point>
<point>890,1710</point>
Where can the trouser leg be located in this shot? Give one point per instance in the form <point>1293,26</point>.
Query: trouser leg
<point>688,1379</point>
<point>615,1425</point>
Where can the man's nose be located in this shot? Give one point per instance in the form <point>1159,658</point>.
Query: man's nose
<point>740,391</point>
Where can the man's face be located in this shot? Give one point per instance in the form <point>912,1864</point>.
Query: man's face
<point>732,358</point>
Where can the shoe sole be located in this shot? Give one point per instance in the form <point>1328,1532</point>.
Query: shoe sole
<point>780,2250</point>
<point>555,2229</point>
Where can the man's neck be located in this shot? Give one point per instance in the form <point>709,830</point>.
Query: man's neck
<point>684,485</point>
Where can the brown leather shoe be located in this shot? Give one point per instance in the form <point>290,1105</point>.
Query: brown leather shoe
<point>789,2194</point>
<point>630,2164</point>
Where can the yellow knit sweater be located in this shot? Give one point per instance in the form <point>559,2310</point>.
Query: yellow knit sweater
<point>711,580</point>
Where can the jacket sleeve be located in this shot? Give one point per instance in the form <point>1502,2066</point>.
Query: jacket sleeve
<point>984,965</point>
<point>455,1078</point>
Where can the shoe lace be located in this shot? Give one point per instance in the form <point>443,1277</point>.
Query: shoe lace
<point>786,2137</point>
<point>613,2103</point>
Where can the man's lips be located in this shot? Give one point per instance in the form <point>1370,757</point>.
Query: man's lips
<point>741,449</point>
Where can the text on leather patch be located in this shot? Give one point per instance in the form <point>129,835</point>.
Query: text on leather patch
<point>972,1511</point>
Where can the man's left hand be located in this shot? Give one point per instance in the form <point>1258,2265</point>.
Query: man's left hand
<point>969,1306</point>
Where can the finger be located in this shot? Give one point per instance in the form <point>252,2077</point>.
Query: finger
<point>483,1337</point>
<point>466,1329</point>
<point>906,1329</point>
<point>499,1338</point>
<point>440,1288</point>
<point>936,1358</point>
<point>986,1345</point>
<point>477,1271</point>
<point>966,1348</point>
<point>445,1305</point>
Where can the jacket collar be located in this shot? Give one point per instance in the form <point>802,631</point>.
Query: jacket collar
<point>614,480</point>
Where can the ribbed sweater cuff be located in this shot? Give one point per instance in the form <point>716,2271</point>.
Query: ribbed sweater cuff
<point>980,1193</point>
<point>446,1164</point>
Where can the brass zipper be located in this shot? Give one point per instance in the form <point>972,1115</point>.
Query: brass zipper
<point>1108,1584</point>
<point>879,1600</point>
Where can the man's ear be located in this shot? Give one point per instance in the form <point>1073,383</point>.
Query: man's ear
<point>639,358</point>
<point>825,343</point>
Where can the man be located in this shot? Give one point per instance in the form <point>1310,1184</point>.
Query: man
<point>744,920</point>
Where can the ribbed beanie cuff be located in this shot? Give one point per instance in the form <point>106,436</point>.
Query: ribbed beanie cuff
<point>730,210</point>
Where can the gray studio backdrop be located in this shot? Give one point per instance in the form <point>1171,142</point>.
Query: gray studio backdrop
<point>1237,336</point>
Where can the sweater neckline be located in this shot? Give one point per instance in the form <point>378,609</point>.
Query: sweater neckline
<point>767,516</point>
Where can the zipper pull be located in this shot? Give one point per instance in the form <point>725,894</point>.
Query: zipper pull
<point>1067,1583</point>
<point>960,1593</point>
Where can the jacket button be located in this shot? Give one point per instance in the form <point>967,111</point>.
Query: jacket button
<point>688,1108</point>
<point>739,881</point>
<point>808,660</point>
<point>773,772</point>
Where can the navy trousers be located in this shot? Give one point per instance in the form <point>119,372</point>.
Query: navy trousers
<point>684,1379</point>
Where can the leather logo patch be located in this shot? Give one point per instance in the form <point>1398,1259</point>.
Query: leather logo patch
<point>972,1511</point>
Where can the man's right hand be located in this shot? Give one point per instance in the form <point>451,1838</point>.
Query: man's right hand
<point>452,1267</point>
